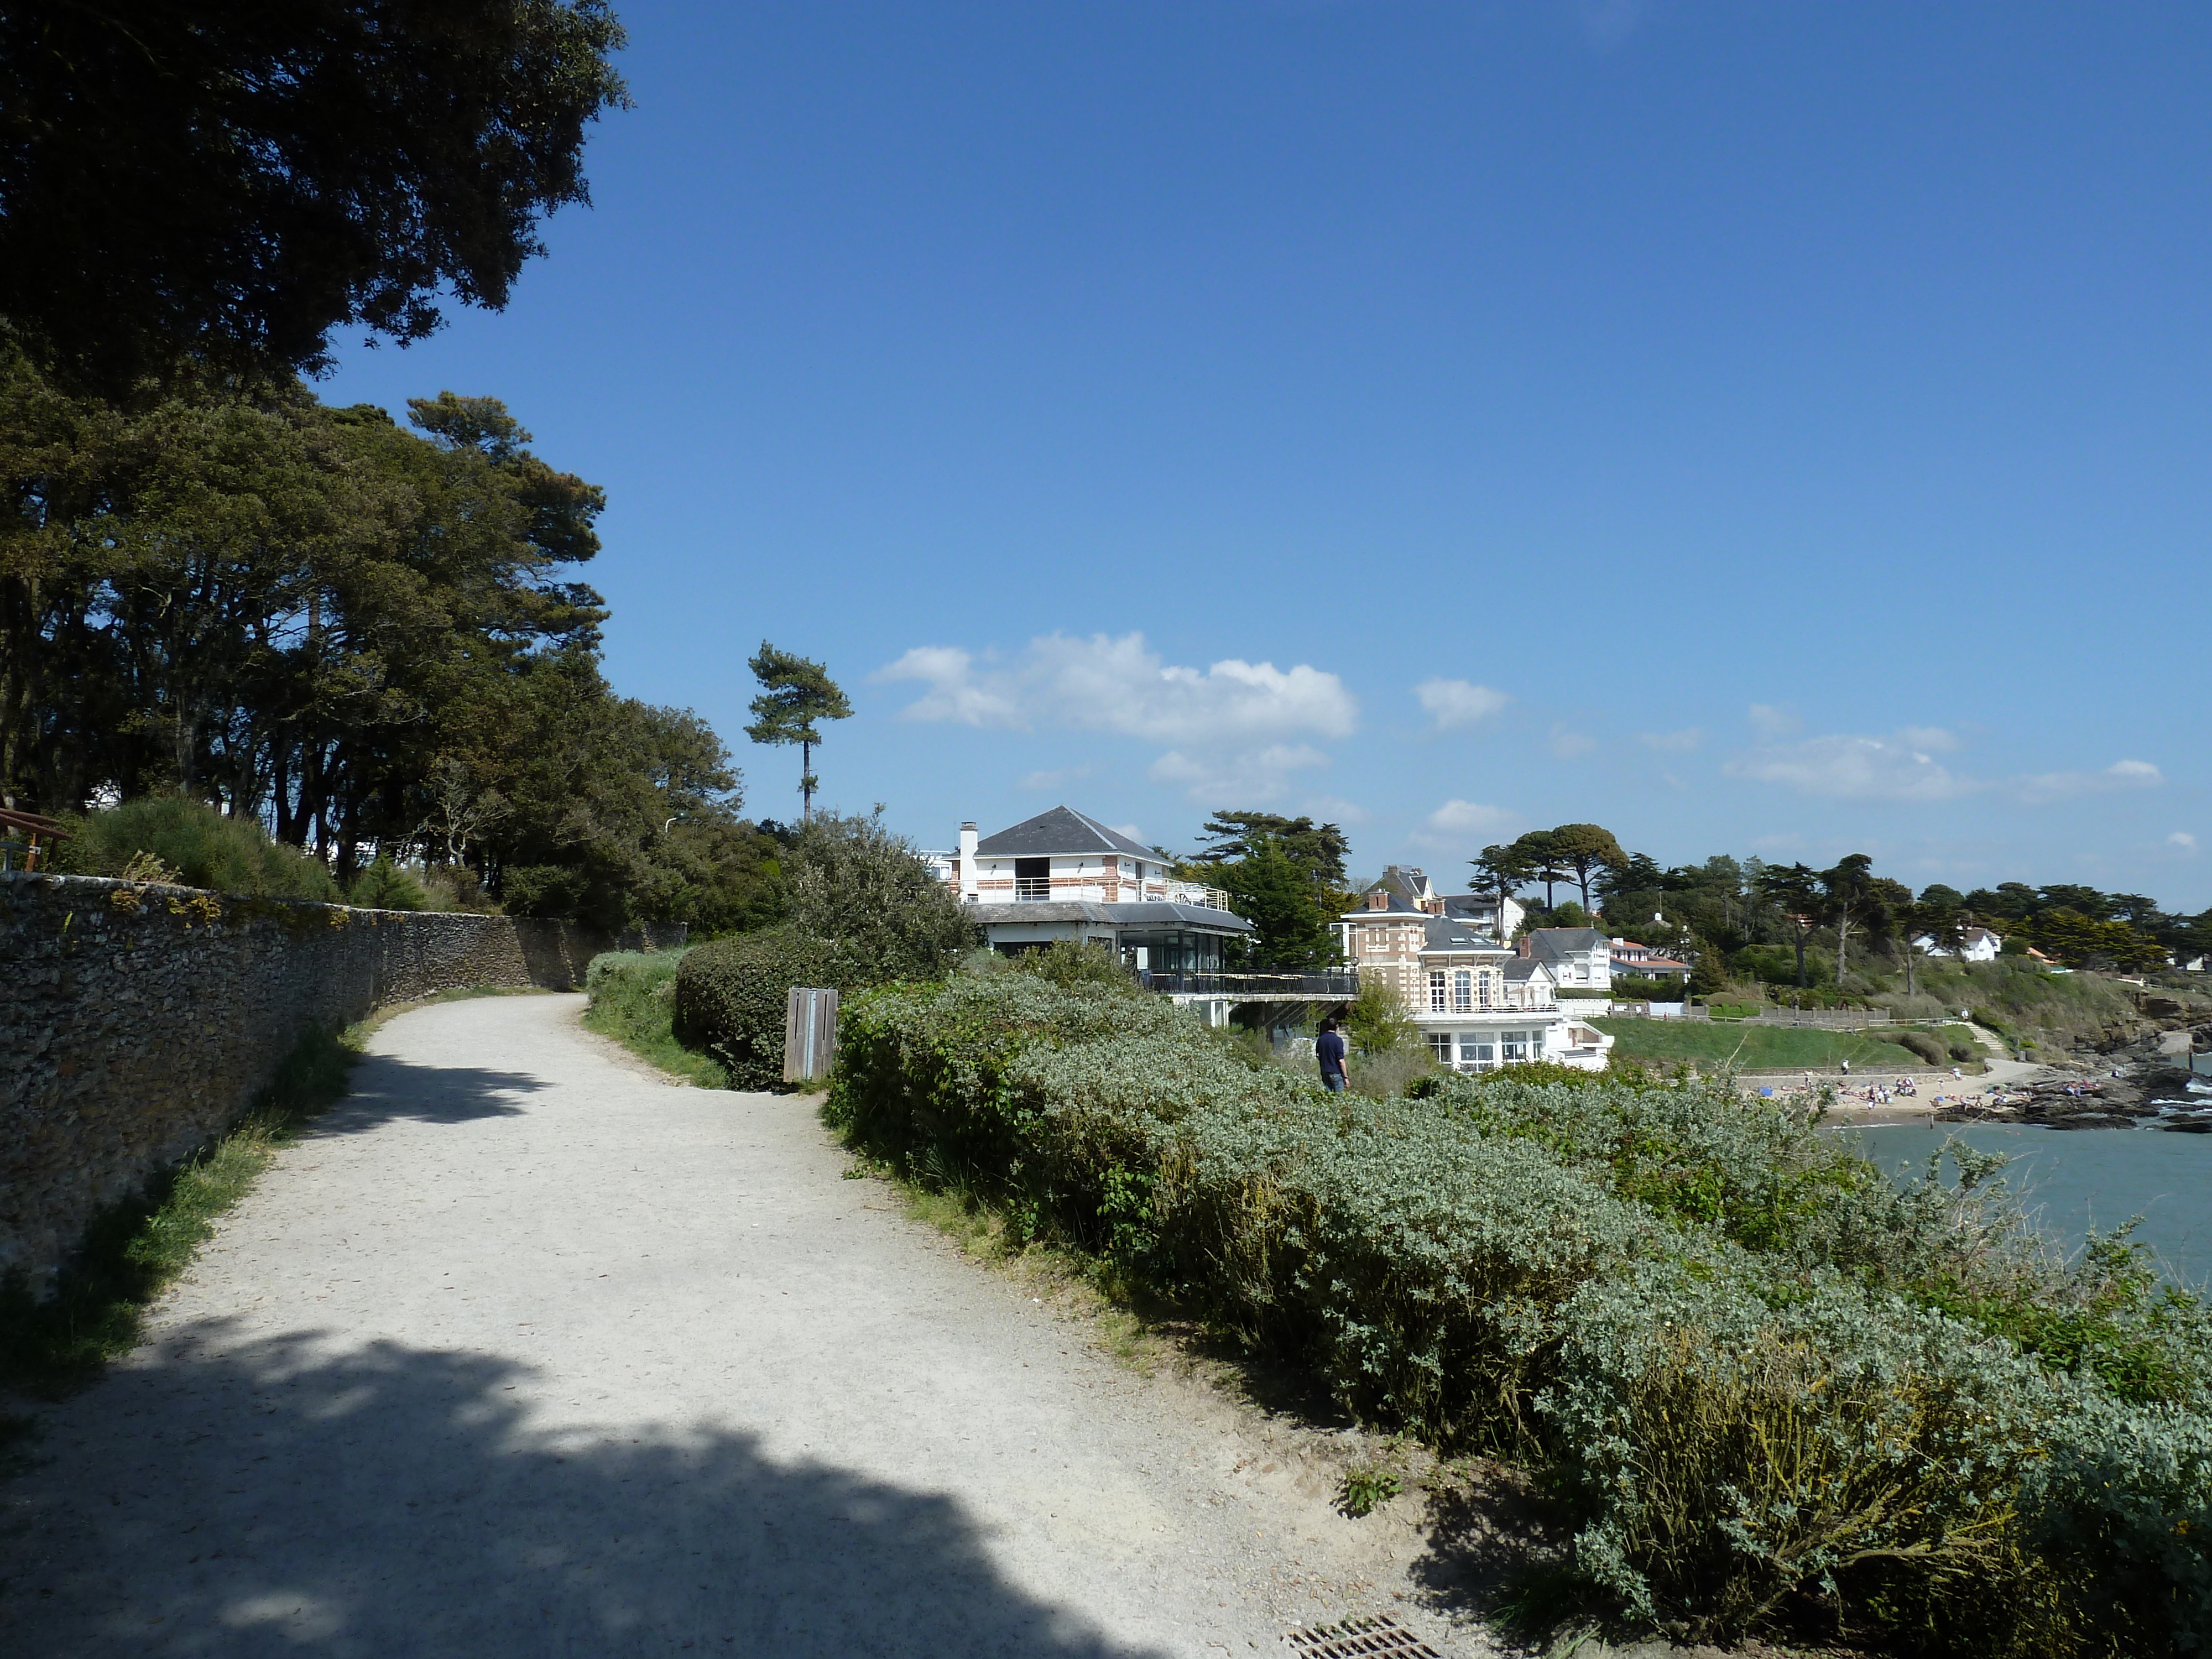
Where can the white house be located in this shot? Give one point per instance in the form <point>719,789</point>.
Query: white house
<point>1977,944</point>
<point>1410,886</point>
<point>1063,874</point>
<point>1579,958</point>
<point>1479,1003</point>
<point>1626,956</point>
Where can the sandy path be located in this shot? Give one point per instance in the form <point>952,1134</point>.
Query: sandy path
<point>527,1352</point>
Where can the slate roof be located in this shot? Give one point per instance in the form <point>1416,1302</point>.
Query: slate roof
<point>1114,915</point>
<point>1445,934</point>
<point>1552,943</point>
<point>1402,881</point>
<point>1061,830</point>
<point>1523,968</point>
<point>1396,907</point>
<point>1468,905</point>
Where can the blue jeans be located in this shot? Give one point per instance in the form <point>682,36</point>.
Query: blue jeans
<point>1333,1081</point>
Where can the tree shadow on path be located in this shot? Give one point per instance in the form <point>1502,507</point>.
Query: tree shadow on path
<point>252,1497</point>
<point>385,1089</point>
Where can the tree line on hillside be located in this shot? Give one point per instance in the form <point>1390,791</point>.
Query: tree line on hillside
<point>1741,920</point>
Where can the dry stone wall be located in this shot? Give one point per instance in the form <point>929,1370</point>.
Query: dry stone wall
<point>137,1021</point>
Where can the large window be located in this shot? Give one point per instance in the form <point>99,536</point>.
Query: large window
<point>1440,1045</point>
<point>1436,991</point>
<point>1475,1052</point>
<point>1462,992</point>
<point>1515,1043</point>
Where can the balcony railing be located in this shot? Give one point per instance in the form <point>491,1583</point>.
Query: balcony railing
<point>1029,890</point>
<point>1256,987</point>
<point>1203,898</point>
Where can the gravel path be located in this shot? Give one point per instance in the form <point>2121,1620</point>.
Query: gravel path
<point>526,1351</point>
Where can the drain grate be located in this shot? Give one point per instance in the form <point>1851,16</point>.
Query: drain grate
<point>1353,1637</point>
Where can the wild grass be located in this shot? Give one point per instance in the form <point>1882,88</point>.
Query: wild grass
<point>633,1001</point>
<point>135,1249</point>
<point>1752,1047</point>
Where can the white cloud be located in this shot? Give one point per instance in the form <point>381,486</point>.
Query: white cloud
<point>1461,828</point>
<point>1455,703</point>
<point>1254,778</point>
<point>1928,737</point>
<point>2182,838</point>
<point>1120,685</point>
<point>1334,809</point>
<point>1853,769</point>
<point>1903,767</point>
<point>1672,743</point>
<point>955,692</point>
<point>2064,786</point>
<point>1055,780</point>
<point>1466,818</point>
<point>1567,745</point>
<point>1235,727</point>
<point>1772,722</point>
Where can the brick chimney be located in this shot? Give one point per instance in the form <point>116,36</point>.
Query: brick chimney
<point>1379,899</point>
<point>1523,946</point>
<point>1434,907</point>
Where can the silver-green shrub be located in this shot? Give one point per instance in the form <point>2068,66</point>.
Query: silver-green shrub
<point>1765,1376</point>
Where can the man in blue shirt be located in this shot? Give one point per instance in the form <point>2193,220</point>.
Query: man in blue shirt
<point>1329,1051</point>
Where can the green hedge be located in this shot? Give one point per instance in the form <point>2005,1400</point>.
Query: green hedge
<point>732,995</point>
<point>169,838</point>
<point>1764,1377</point>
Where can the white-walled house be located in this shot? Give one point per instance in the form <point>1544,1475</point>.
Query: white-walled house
<point>1064,875</point>
<point>1977,944</point>
<point>1479,1003</point>
<point>1645,961</point>
<point>1579,958</point>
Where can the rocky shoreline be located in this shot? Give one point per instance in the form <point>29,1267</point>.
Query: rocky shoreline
<point>2146,1083</point>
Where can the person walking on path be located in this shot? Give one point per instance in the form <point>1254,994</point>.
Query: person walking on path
<point>1329,1051</point>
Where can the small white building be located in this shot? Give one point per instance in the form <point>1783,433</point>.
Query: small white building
<point>1975,945</point>
<point>1579,958</point>
<point>1644,961</point>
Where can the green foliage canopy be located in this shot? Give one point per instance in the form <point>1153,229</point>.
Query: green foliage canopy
<point>796,694</point>
<point>231,181</point>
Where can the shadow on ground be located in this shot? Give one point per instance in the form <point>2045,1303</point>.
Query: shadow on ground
<point>385,1088</point>
<point>257,1497</point>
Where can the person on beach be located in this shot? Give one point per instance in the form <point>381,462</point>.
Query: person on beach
<point>1329,1051</point>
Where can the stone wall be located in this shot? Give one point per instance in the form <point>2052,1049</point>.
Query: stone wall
<point>137,1021</point>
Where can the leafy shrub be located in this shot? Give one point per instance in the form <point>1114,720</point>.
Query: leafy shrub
<point>189,843</point>
<point>1760,1373</point>
<point>1378,1020</point>
<point>732,995</point>
<point>385,887</point>
<point>1066,962</point>
<point>1959,1049</point>
<point>856,881</point>
<point>541,889</point>
<point>1925,1044</point>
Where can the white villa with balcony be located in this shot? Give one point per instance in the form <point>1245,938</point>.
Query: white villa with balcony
<point>1479,1004</point>
<point>1063,874</point>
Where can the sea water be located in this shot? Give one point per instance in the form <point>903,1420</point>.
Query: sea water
<point>2077,1180</point>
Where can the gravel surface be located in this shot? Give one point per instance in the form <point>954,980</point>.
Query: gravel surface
<point>526,1351</point>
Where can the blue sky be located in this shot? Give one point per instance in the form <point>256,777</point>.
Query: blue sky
<point>1754,427</point>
